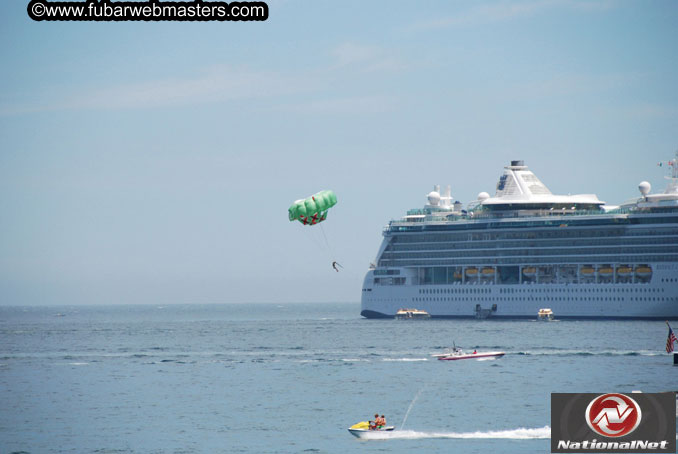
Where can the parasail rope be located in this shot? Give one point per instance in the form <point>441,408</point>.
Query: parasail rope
<point>329,248</point>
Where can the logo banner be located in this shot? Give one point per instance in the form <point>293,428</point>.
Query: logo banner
<point>613,422</point>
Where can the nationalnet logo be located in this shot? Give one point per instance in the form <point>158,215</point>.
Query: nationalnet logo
<point>613,415</point>
<point>613,422</point>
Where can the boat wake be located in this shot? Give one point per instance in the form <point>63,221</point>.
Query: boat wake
<point>405,360</point>
<point>590,353</point>
<point>513,434</point>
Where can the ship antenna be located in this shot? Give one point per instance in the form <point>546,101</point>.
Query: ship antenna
<point>673,179</point>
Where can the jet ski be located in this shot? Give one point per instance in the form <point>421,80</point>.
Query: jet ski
<point>362,429</point>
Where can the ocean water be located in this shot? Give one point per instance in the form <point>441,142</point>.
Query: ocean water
<point>292,378</point>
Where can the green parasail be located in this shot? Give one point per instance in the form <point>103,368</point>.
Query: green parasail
<point>313,210</point>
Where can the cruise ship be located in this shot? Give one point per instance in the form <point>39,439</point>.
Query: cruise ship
<point>524,249</point>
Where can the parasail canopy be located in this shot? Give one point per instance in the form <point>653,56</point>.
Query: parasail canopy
<point>312,210</point>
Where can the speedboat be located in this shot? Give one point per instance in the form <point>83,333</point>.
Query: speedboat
<point>458,353</point>
<point>362,429</point>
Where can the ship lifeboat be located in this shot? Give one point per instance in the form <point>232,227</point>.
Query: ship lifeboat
<point>529,271</point>
<point>457,275</point>
<point>605,270</point>
<point>472,272</point>
<point>587,270</point>
<point>643,271</point>
<point>624,270</point>
<point>488,271</point>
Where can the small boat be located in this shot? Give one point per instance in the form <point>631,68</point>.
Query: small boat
<point>472,271</point>
<point>643,271</point>
<point>605,270</point>
<point>407,314</point>
<point>529,271</point>
<point>545,314</point>
<point>624,270</point>
<point>588,270</point>
<point>488,271</point>
<point>362,430</point>
<point>457,353</point>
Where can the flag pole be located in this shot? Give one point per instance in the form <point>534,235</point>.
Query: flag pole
<point>669,344</point>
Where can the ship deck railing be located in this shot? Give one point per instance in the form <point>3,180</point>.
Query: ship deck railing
<point>484,215</point>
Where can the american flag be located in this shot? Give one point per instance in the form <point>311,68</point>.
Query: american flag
<point>672,338</point>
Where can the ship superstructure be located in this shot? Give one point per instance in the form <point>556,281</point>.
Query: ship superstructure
<point>525,248</point>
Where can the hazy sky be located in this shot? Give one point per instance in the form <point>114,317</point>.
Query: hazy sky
<point>155,162</point>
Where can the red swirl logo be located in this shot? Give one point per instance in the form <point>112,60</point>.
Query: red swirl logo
<point>613,415</point>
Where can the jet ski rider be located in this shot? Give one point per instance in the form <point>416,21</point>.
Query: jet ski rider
<point>373,424</point>
<point>378,422</point>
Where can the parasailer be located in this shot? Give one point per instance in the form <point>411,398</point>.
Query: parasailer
<point>312,210</point>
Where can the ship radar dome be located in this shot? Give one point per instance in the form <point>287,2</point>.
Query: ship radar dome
<point>644,187</point>
<point>483,196</point>
<point>434,198</point>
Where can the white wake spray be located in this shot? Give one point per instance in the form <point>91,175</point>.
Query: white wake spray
<point>513,434</point>
<point>407,413</point>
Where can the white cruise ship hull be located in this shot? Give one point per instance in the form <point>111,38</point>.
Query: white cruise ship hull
<point>657,299</point>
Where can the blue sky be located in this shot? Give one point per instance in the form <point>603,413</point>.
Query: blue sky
<point>155,162</point>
